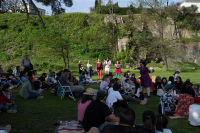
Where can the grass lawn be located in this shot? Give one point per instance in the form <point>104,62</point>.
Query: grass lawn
<point>38,115</point>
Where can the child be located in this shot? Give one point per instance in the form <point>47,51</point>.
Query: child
<point>127,86</point>
<point>82,69</point>
<point>176,74</point>
<point>23,76</point>
<point>3,79</point>
<point>7,92</point>
<point>149,120</point>
<point>104,84</point>
<point>161,124</point>
<point>89,79</point>
<point>138,94</point>
<point>197,90</point>
<point>83,79</point>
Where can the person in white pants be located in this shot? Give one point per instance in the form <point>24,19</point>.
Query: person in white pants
<point>107,62</point>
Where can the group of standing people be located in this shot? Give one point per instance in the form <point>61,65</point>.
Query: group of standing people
<point>99,67</point>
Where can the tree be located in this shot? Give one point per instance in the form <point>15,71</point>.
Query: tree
<point>160,45</point>
<point>56,5</point>
<point>5,5</point>
<point>14,4</point>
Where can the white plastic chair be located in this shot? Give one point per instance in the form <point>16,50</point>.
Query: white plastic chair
<point>64,90</point>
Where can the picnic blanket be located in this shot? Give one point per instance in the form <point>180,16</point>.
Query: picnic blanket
<point>175,116</point>
<point>71,126</point>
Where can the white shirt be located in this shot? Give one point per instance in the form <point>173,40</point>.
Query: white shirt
<point>113,97</point>
<point>194,115</point>
<point>110,90</point>
<point>89,65</point>
<point>164,131</point>
<point>176,75</point>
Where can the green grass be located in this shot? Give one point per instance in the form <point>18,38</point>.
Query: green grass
<point>38,115</point>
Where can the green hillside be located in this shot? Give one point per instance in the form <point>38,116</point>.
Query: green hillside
<point>85,33</point>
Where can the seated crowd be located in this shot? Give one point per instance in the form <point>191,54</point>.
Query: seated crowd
<point>96,108</point>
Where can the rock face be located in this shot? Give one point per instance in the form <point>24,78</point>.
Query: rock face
<point>191,53</point>
<point>115,20</point>
<point>122,44</point>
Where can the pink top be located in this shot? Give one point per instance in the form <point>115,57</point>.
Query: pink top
<point>81,109</point>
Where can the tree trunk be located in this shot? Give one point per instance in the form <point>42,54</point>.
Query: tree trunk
<point>36,9</point>
<point>53,7</point>
<point>166,64</point>
<point>64,57</point>
<point>26,10</point>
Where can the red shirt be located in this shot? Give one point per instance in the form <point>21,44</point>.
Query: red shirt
<point>4,98</point>
<point>33,76</point>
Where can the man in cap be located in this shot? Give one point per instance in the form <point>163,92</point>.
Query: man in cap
<point>26,63</point>
<point>77,89</point>
<point>97,112</point>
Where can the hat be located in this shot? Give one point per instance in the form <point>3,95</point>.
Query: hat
<point>9,70</point>
<point>187,82</point>
<point>66,70</point>
<point>107,58</point>
<point>197,99</point>
<point>79,61</point>
<point>101,93</point>
<point>89,91</point>
<point>178,70</point>
<point>168,86</point>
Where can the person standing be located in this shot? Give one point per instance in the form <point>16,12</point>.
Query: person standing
<point>107,62</point>
<point>99,68</point>
<point>89,68</point>
<point>79,67</point>
<point>26,63</point>
<point>118,69</point>
<point>145,78</point>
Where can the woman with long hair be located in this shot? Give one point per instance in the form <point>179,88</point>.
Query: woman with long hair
<point>146,81</point>
<point>118,69</point>
<point>99,68</point>
<point>178,84</point>
<point>161,90</point>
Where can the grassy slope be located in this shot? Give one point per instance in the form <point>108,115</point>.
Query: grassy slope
<point>38,115</point>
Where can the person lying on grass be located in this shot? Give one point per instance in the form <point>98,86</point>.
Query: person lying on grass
<point>6,105</point>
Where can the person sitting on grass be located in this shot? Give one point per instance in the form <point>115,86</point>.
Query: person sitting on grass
<point>115,99</point>
<point>197,90</point>
<point>83,79</point>
<point>157,86</point>
<point>161,90</point>
<point>23,76</point>
<point>16,71</point>
<point>12,78</point>
<point>126,123</point>
<point>133,79</point>
<point>6,104</point>
<point>184,102</point>
<point>27,91</point>
<point>52,81</point>
<point>7,92</point>
<point>84,102</point>
<point>127,86</point>
<point>194,112</point>
<point>49,74</point>
<point>45,85</point>
<point>77,89</point>
<point>104,84</point>
<point>149,121</point>
<point>3,79</point>
<point>73,78</point>
<point>167,102</point>
<point>161,124</point>
<point>97,112</point>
